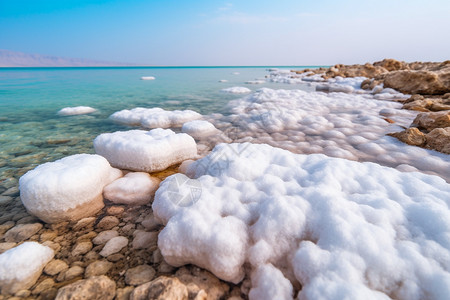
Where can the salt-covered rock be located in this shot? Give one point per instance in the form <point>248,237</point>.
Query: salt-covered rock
<point>67,189</point>
<point>199,128</point>
<point>94,288</point>
<point>114,245</point>
<point>77,110</point>
<point>21,266</point>
<point>147,78</point>
<point>147,151</point>
<point>236,90</point>
<point>154,117</point>
<point>330,225</point>
<point>135,188</point>
<point>334,88</point>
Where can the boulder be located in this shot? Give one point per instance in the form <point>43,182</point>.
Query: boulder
<point>439,139</point>
<point>21,266</point>
<point>411,136</point>
<point>68,189</point>
<point>94,288</point>
<point>429,121</point>
<point>135,188</point>
<point>146,151</point>
<point>419,82</point>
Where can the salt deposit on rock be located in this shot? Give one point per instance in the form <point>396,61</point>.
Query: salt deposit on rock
<point>336,124</point>
<point>21,266</point>
<point>255,81</point>
<point>154,117</point>
<point>334,227</point>
<point>199,128</point>
<point>147,78</point>
<point>135,188</point>
<point>146,151</point>
<point>77,110</point>
<point>236,90</point>
<point>67,189</point>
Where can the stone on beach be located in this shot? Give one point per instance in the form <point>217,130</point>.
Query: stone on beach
<point>154,117</point>
<point>21,266</point>
<point>114,245</point>
<point>68,189</point>
<point>146,151</point>
<point>94,288</point>
<point>135,188</point>
<point>78,110</point>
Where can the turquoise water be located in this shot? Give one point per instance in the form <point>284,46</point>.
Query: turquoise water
<point>32,133</point>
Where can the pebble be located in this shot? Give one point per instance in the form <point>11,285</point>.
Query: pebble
<point>85,222</point>
<point>124,294</point>
<point>53,245</point>
<point>104,236</point>
<point>100,267</point>
<point>28,219</point>
<point>56,266</point>
<point>107,223</point>
<point>128,229</point>
<point>5,200</point>
<point>48,236</point>
<point>164,267</point>
<point>139,275</point>
<point>22,232</point>
<point>23,293</point>
<point>6,226</point>
<point>81,248</point>
<point>71,273</point>
<point>114,245</point>
<point>115,257</point>
<point>94,288</point>
<point>44,285</point>
<point>115,210</point>
<point>150,223</point>
<point>88,236</point>
<point>6,246</point>
<point>144,240</point>
<point>161,288</point>
<point>13,191</point>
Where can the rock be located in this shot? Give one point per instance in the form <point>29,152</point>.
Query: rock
<point>135,188</point>
<point>49,294</point>
<point>150,222</point>
<point>48,236</point>
<point>6,246</point>
<point>44,285</point>
<point>124,294</point>
<point>411,136</point>
<point>5,200</point>
<point>94,288</point>
<point>100,267</point>
<point>73,272</point>
<point>21,266</point>
<point>81,248</point>
<point>107,223</point>
<point>391,64</point>
<point>56,266</point>
<point>83,223</point>
<point>68,189</point>
<point>164,267</point>
<point>197,280</point>
<point>23,294</point>
<point>143,239</point>
<point>87,237</point>
<point>115,210</point>
<point>419,82</point>
<point>114,245</point>
<point>139,275</point>
<point>439,139</point>
<point>55,246</point>
<point>22,232</point>
<point>12,192</point>
<point>429,121</point>
<point>439,107</point>
<point>104,236</point>
<point>161,288</point>
<point>6,226</point>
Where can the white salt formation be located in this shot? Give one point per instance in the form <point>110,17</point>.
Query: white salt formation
<point>199,128</point>
<point>236,90</point>
<point>334,228</point>
<point>352,126</point>
<point>67,189</point>
<point>223,80</point>
<point>146,151</point>
<point>154,117</point>
<point>77,110</point>
<point>147,78</point>
<point>135,188</point>
<point>21,266</point>
<point>257,81</point>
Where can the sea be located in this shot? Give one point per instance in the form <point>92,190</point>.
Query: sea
<point>32,133</point>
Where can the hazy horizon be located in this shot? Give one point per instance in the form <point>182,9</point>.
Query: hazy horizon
<point>224,33</point>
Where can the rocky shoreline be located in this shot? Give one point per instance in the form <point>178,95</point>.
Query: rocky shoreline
<point>428,83</point>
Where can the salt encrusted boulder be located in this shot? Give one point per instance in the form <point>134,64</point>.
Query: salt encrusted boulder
<point>154,117</point>
<point>21,266</point>
<point>147,151</point>
<point>199,128</point>
<point>135,188</point>
<point>334,227</point>
<point>68,189</point>
<point>77,110</point>
<point>236,90</point>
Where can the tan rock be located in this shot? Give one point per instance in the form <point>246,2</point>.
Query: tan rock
<point>143,239</point>
<point>139,275</point>
<point>44,285</point>
<point>107,223</point>
<point>161,288</point>
<point>411,136</point>
<point>81,248</point>
<point>429,121</point>
<point>97,268</point>
<point>73,272</point>
<point>198,280</point>
<point>6,226</point>
<point>114,245</point>
<point>55,267</point>
<point>439,139</point>
<point>124,294</point>
<point>115,210</point>
<point>94,288</point>
<point>391,64</point>
<point>22,232</point>
<point>104,236</point>
<point>419,82</point>
<point>84,223</point>
<point>48,236</point>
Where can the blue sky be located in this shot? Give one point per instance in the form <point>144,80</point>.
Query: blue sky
<point>283,32</point>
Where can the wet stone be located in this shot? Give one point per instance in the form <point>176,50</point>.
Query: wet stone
<point>48,236</point>
<point>104,237</point>
<point>115,210</point>
<point>139,275</point>
<point>83,223</point>
<point>22,232</point>
<point>56,266</point>
<point>5,200</point>
<point>72,273</point>
<point>81,248</point>
<point>44,285</point>
<point>107,222</point>
<point>100,267</point>
<point>12,192</point>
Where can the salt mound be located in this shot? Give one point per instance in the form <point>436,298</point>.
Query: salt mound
<point>199,128</point>
<point>135,188</point>
<point>223,80</point>
<point>146,151</point>
<point>77,110</point>
<point>67,189</point>
<point>147,78</point>
<point>335,228</point>
<point>255,81</point>
<point>21,266</point>
<point>236,90</point>
<point>154,117</point>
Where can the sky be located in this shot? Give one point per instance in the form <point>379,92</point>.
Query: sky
<point>209,32</point>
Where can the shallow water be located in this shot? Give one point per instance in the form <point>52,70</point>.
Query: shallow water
<point>32,133</point>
